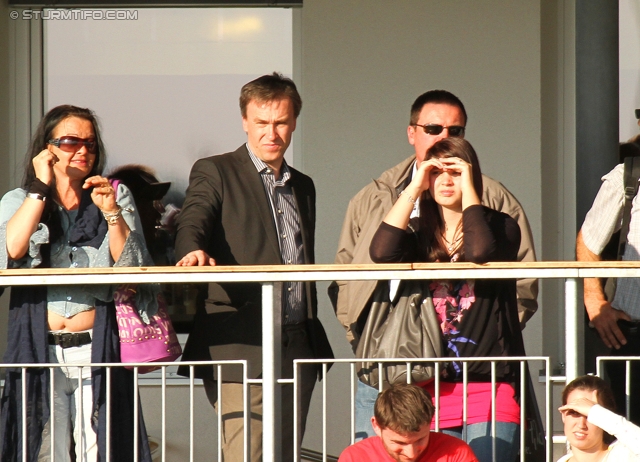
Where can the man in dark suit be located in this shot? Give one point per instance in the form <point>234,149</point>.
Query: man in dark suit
<point>249,207</point>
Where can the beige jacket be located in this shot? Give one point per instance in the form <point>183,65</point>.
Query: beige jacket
<point>366,211</point>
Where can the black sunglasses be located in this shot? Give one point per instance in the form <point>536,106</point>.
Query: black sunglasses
<point>73,143</point>
<point>434,129</point>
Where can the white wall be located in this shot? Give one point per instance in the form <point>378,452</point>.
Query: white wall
<point>629,67</point>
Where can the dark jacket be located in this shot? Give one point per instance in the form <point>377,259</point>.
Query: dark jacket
<point>228,215</point>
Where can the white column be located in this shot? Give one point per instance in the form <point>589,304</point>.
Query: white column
<point>271,370</point>
<point>571,328</point>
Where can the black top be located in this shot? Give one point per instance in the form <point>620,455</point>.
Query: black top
<point>477,318</point>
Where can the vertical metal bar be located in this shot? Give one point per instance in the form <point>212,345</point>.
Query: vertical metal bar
<point>219,413</point>
<point>24,414</point>
<point>324,412</point>
<point>465,404</point>
<point>271,370</point>
<point>164,414</point>
<point>627,389</point>
<point>82,443</point>
<point>52,414</point>
<point>136,404</point>
<point>352,376</point>
<point>548,428</point>
<point>246,396</point>
<point>191,406</point>
<point>296,426</point>
<point>571,328</point>
<point>436,387</point>
<point>523,404</point>
<point>108,370</point>
<point>493,411</point>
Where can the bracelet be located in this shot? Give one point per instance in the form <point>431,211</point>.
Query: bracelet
<point>409,198</point>
<point>37,196</point>
<point>112,218</point>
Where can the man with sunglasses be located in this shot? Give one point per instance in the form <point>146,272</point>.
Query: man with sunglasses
<point>435,115</point>
<point>249,207</point>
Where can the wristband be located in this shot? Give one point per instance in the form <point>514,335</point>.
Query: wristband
<point>39,188</point>
<point>37,196</point>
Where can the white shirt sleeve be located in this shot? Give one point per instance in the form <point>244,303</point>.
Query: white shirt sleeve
<point>624,431</point>
<point>605,216</point>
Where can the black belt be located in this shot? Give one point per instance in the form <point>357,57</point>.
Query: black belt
<point>69,339</point>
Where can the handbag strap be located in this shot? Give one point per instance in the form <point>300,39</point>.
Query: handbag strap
<point>631,177</point>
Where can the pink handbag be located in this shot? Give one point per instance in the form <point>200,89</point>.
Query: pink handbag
<point>140,342</point>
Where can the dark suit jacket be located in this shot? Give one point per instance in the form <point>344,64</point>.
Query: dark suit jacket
<point>228,215</point>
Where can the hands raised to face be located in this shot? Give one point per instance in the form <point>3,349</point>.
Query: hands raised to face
<point>43,165</point>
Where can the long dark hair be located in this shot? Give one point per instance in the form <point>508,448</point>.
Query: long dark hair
<point>605,395</point>
<point>44,133</point>
<point>40,139</point>
<point>431,223</point>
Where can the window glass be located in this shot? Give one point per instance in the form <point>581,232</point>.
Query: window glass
<point>165,84</point>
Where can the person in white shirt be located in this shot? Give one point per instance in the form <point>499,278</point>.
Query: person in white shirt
<point>594,431</point>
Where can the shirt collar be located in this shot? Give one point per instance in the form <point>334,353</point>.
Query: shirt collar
<point>262,168</point>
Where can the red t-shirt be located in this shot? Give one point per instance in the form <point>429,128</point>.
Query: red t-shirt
<point>442,448</point>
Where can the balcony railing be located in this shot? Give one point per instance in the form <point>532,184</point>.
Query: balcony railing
<point>268,276</point>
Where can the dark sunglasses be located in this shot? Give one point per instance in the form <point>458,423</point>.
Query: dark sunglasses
<point>73,143</point>
<point>434,129</point>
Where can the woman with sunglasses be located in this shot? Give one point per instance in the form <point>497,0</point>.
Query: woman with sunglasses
<point>594,431</point>
<point>67,215</point>
<point>477,318</point>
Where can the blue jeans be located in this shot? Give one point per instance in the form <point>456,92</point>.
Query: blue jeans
<point>73,407</point>
<point>478,436</point>
<point>365,399</point>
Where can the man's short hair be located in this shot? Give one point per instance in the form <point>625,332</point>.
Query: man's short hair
<point>435,97</point>
<point>268,88</point>
<point>404,408</point>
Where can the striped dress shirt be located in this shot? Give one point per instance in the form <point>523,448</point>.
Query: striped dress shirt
<point>287,221</point>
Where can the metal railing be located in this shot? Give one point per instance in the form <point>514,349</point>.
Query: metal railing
<point>271,314</point>
<point>108,367</point>
<point>520,390</point>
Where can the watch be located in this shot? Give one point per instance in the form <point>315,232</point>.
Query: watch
<point>37,196</point>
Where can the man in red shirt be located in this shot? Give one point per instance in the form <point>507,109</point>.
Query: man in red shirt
<point>402,422</point>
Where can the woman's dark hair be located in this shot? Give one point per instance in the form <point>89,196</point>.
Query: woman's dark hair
<point>430,219</point>
<point>605,395</point>
<point>44,133</point>
<point>41,138</point>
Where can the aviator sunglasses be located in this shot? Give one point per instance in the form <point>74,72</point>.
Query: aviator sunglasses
<point>73,143</point>
<point>434,129</point>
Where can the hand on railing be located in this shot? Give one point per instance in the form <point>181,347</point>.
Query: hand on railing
<point>196,258</point>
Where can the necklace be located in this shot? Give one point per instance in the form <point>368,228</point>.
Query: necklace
<point>454,243</point>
